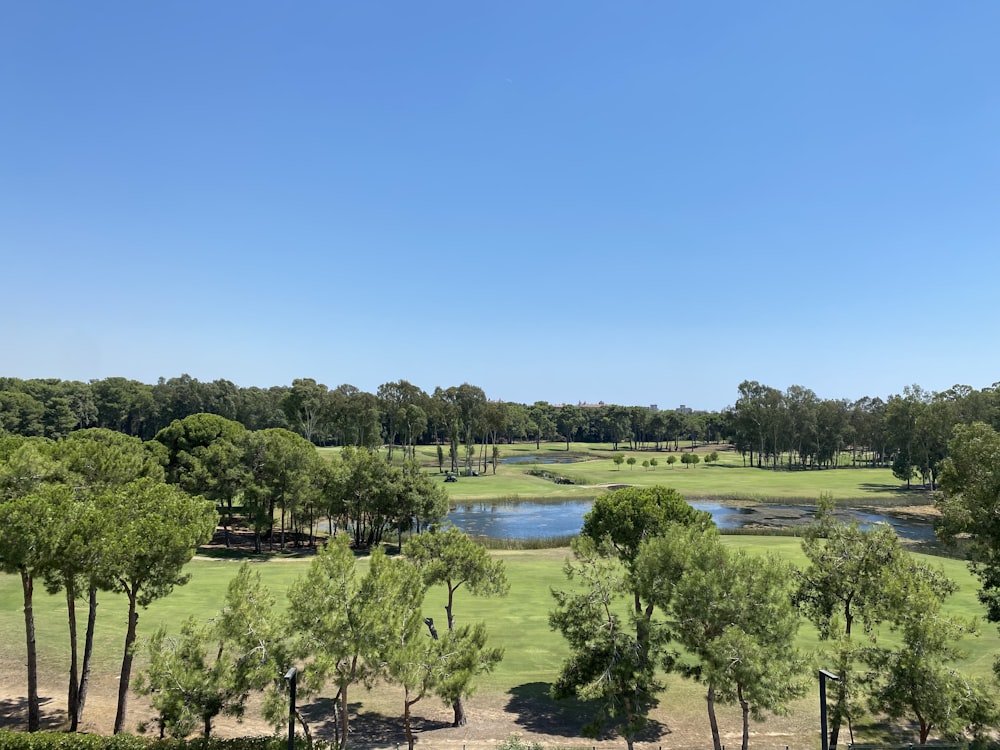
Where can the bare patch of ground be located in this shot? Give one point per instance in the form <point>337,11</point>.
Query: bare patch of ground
<point>376,724</point>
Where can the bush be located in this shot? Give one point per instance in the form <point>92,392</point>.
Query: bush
<point>514,742</point>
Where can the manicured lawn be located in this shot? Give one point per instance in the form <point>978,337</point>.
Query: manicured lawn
<point>519,623</point>
<point>727,479</point>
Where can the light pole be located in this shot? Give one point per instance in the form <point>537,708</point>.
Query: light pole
<point>290,677</point>
<point>823,675</point>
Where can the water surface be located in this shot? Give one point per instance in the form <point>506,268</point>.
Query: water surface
<point>532,520</point>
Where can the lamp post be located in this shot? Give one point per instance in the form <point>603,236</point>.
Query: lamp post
<point>823,675</point>
<point>290,678</point>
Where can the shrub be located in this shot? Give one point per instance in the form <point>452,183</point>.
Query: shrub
<point>514,742</point>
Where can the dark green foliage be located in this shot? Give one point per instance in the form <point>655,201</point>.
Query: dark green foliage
<point>628,516</point>
<point>213,667</point>
<point>970,479</point>
<point>608,664</point>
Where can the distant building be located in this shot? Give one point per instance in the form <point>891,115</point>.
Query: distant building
<point>684,409</point>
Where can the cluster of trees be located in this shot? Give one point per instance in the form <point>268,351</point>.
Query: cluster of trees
<point>93,513</point>
<point>99,510</point>
<point>908,431</point>
<point>650,464</point>
<point>728,620</point>
<point>53,408</point>
<point>342,629</point>
<point>276,475</point>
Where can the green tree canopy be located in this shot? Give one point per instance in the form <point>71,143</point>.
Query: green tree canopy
<point>450,557</point>
<point>733,613</point>
<point>607,664</point>
<point>157,529</point>
<point>970,505</point>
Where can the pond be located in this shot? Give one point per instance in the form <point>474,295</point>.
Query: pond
<point>530,520</point>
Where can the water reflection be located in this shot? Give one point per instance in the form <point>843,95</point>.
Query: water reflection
<point>529,520</point>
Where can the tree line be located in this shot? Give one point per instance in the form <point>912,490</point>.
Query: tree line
<point>399,414</point>
<point>908,432</point>
<point>772,428</point>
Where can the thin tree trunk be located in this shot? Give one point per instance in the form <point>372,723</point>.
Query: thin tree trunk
<point>126,673</point>
<point>28,587</point>
<point>88,651</point>
<point>629,716</point>
<point>746,717</point>
<point>73,694</point>
<point>713,722</point>
<point>835,720</point>
<point>305,726</point>
<point>407,724</point>
<point>343,717</point>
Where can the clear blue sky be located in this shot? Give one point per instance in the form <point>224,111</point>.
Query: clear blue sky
<point>621,201</point>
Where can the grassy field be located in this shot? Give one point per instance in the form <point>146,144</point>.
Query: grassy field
<point>593,468</point>
<point>519,623</point>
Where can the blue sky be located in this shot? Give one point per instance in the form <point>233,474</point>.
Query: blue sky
<point>565,201</point>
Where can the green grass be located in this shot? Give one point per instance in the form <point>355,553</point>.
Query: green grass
<point>727,480</point>
<point>519,623</point>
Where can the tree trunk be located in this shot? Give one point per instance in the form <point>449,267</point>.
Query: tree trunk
<point>126,673</point>
<point>88,651</point>
<point>229,520</point>
<point>28,587</point>
<point>305,726</point>
<point>460,718</point>
<point>713,722</point>
<point>282,545</point>
<point>407,725</point>
<point>835,719</point>
<point>73,694</point>
<point>343,717</point>
<point>746,717</point>
<point>629,717</point>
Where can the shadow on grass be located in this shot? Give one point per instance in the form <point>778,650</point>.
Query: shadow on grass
<point>536,711</point>
<point>14,714</point>
<point>366,728</point>
<point>895,489</point>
